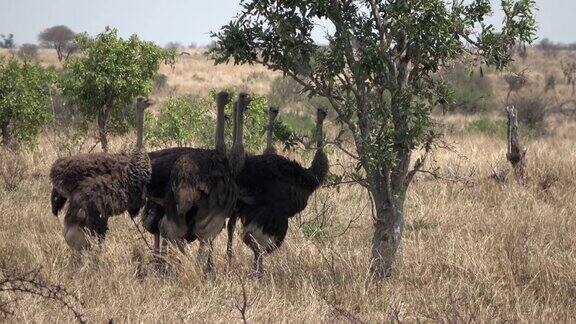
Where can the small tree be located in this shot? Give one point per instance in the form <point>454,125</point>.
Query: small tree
<point>110,73</point>
<point>7,41</point>
<point>28,51</point>
<point>60,38</point>
<point>377,74</point>
<point>569,70</point>
<point>515,81</point>
<point>24,100</point>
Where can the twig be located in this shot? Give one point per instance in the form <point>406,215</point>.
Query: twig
<point>31,283</point>
<point>141,234</point>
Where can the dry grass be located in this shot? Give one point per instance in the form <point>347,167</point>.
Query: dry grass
<point>474,250</point>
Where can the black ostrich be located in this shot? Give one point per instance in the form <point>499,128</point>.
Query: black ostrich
<point>278,189</point>
<point>193,191</point>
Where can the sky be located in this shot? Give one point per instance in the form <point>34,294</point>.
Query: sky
<point>190,21</point>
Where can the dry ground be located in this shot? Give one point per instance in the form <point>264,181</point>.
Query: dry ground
<point>475,248</point>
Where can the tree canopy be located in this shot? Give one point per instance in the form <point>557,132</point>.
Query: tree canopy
<point>109,74</point>
<point>378,72</point>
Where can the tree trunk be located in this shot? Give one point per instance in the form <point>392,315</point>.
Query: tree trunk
<point>388,229</point>
<point>516,153</point>
<point>7,139</point>
<point>103,115</point>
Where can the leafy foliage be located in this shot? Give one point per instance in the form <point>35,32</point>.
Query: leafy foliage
<point>472,92</point>
<point>111,71</point>
<point>183,121</point>
<point>24,100</point>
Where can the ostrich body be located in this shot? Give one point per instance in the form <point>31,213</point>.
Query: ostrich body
<point>203,196</point>
<point>67,173</point>
<point>119,189</point>
<point>279,189</point>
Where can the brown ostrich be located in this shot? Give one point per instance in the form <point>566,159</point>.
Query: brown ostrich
<point>109,193</point>
<point>68,172</point>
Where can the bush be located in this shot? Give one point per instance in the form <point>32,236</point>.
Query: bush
<point>531,110</point>
<point>285,91</point>
<point>24,100</point>
<point>28,51</point>
<point>160,81</point>
<point>13,169</point>
<point>550,84</point>
<point>184,122</point>
<point>472,92</point>
<point>490,127</point>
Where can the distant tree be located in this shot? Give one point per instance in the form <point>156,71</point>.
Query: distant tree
<point>515,81</point>
<point>24,100</point>
<point>110,73</point>
<point>550,84</point>
<point>7,41</point>
<point>569,71</point>
<point>173,46</point>
<point>60,38</point>
<point>28,51</point>
<point>377,73</point>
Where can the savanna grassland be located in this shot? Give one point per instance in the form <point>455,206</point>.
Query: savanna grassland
<point>478,246</point>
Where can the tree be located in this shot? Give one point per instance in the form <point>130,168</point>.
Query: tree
<point>378,74</point>
<point>108,75</point>
<point>24,100</point>
<point>569,71</point>
<point>61,38</point>
<point>7,41</point>
<point>28,51</point>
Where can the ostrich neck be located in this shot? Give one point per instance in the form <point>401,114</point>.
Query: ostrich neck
<point>220,145</point>
<point>139,128</point>
<point>319,136</point>
<point>270,139</point>
<point>240,124</point>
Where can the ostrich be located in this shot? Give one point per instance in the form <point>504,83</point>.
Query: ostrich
<point>202,197</point>
<point>68,172</point>
<point>109,193</point>
<point>270,149</point>
<point>279,188</point>
<point>162,166</point>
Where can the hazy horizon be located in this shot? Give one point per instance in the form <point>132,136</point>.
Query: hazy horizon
<point>188,22</point>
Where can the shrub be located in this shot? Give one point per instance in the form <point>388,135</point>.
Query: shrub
<point>13,169</point>
<point>285,91</point>
<point>550,84</point>
<point>28,51</point>
<point>24,100</point>
<point>569,71</point>
<point>531,111</point>
<point>485,125</point>
<point>160,81</point>
<point>471,92</point>
<point>184,121</point>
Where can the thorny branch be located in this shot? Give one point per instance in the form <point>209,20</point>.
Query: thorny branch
<point>31,283</point>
